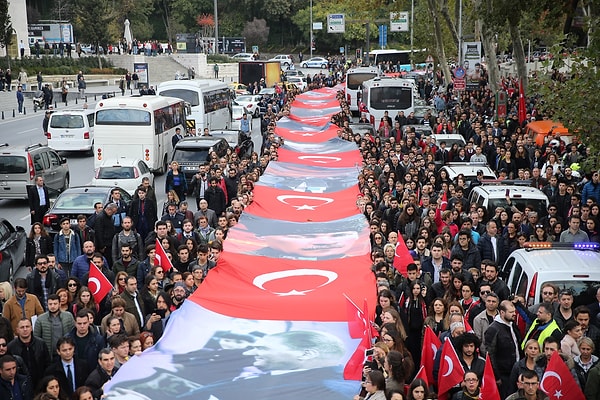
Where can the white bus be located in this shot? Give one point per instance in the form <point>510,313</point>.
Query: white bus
<point>387,94</point>
<point>390,60</point>
<point>210,100</point>
<point>138,127</point>
<point>354,79</point>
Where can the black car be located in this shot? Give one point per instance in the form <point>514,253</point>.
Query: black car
<point>79,200</point>
<point>12,249</point>
<point>190,152</point>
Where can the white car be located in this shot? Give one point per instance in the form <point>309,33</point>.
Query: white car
<point>243,57</point>
<point>299,81</point>
<point>316,62</point>
<point>251,103</point>
<point>236,116</point>
<point>123,172</point>
<point>284,59</point>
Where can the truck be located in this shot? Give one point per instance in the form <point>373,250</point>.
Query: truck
<point>254,71</point>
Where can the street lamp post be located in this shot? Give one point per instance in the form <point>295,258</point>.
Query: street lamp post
<point>311,29</point>
<point>216,49</point>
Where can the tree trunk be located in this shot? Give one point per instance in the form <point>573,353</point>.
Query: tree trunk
<point>487,40</point>
<point>518,51</point>
<point>451,26</point>
<point>439,42</point>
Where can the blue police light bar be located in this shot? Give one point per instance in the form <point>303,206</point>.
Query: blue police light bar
<point>552,245</point>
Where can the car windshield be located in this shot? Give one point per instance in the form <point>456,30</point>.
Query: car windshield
<point>117,172</point>
<point>362,130</point>
<point>78,201</point>
<point>183,154</point>
<point>66,121</point>
<point>520,203</point>
<point>584,292</point>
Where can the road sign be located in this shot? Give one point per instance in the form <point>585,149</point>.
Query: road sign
<point>459,83</point>
<point>429,59</point>
<point>317,26</point>
<point>382,36</point>
<point>336,23</point>
<point>399,21</point>
<point>459,72</point>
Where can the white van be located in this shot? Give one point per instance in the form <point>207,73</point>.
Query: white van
<point>493,194</point>
<point>71,130</point>
<point>570,266</point>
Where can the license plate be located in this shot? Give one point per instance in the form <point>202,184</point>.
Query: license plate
<point>73,221</point>
<point>67,136</point>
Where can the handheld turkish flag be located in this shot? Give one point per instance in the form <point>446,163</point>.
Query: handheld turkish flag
<point>431,344</point>
<point>451,370</point>
<point>98,284</point>
<point>489,388</point>
<point>522,108</point>
<point>558,383</point>
<point>402,257</point>
<point>161,256</point>
<point>359,326</point>
<point>422,374</point>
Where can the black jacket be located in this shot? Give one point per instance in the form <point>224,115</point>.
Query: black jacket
<point>98,377</point>
<point>34,285</point>
<point>36,356</point>
<point>80,373</point>
<point>46,247</point>
<point>24,383</point>
<point>105,230</point>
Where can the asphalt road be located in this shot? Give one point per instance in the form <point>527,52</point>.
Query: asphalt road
<point>27,129</point>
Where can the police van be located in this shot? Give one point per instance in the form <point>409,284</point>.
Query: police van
<point>574,267</point>
<point>493,194</point>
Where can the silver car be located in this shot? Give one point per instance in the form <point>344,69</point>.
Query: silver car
<point>19,167</point>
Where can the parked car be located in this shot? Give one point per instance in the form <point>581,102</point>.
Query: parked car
<point>362,129</point>
<point>251,102</point>
<point>243,57</point>
<point>12,249</point>
<point>284,59</point>
<point>315,62</point>
<point>19,166</point>
<point>79,200</point>
<point>123,172</point>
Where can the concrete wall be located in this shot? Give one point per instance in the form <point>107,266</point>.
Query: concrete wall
<point>18,16</point>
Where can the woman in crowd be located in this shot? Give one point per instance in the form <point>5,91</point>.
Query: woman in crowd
<point>569,343</point>
<point>73,286</point>
<point>119,286</point>
<point>176,181</point>
<point>374,386</point>
<point>172,197</point>
<point>85,299</point>
<point>418,390</point>
<point>147,340</point>
<point>414,312</point>
<point>394,368</point>
<point>585,361</point>
<point>83,393</point>
<point>49,384</point>
<point>6,292</point>
<point>532,351</point>
<point>436,319</point>
<point>38,242</point>
<point>149,292</point>
<point>65,300</point>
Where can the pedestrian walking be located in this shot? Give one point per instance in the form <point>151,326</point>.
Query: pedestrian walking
<point>216,70</point>
<point>39,80</point>
<point>20,99</point>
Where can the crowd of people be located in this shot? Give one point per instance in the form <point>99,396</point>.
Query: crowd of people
<point>453,285</point>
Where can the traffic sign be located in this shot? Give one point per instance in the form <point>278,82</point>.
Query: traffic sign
<point>382,36</point>
<point>336,23</point>
<point>399,21</point>
<point>459,83</point>
<point>459,72</point>
<point>429,59</point>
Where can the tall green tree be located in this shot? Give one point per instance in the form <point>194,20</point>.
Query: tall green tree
<point>91,20</point>
<point>6,29</point>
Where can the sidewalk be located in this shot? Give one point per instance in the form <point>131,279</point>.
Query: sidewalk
<point>8,100</point>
